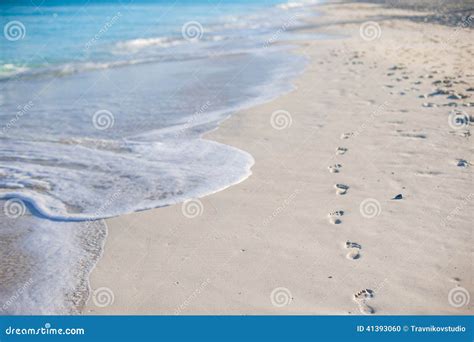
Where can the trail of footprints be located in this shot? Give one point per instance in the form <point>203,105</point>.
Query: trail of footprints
<point>457,90</point>
<point>354,248</point>
<point>450,91</point>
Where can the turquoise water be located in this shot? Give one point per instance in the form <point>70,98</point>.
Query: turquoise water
<point>99,98</point>
<point>69,32</point>
<point>102,110</point>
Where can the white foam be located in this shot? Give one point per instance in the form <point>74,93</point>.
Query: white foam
<point>70,182</point>
<point>9,70</point>
<point>45,270</point>
<point>88,181</point>
<point>135,45</point>
<point>296,4</point>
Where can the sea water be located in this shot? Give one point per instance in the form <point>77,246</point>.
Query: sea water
<point>103,105</point>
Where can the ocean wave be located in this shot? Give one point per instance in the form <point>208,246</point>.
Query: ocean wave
<point>62,69</point>
<point>9,70</point>
<point>77,67</point>
<point>106,178</point>
<point>297,4</point>
<point>72,68</point>
<point>68,180</point>
<point>135,45</point>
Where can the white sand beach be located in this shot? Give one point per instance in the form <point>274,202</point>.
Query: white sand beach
<point>382,109</point>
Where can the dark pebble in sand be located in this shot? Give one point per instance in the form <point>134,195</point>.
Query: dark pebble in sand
<point>398,197</point>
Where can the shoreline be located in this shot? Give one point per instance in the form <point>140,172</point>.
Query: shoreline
<point>51,216</point>
<point>271,235</point>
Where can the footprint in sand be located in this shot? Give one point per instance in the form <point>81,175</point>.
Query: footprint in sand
<point>361,299</point>
<point>341,150</point>
<point>341,189</point>
<point>336,168</point>
<point>335,216</point>
<point>346,135</point>
<point>462,163</point>
<point>354,250</point>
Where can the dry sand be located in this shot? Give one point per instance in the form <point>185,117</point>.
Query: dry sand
<point>269,246</point>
